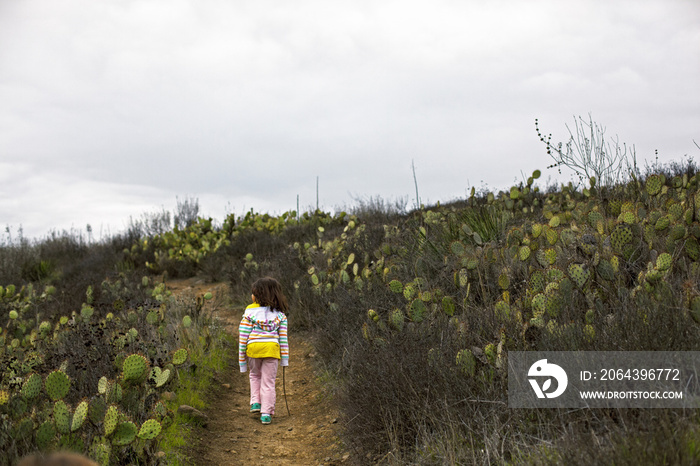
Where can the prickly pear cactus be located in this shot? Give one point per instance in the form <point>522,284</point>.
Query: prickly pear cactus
<point>31,387</point>
<point>79,416</point>
<point>180,356</point>
<point>124,434</point>
<point>466,362</point>
<point>149,430</point>
<point>135,367</point>
<point>45,435</point>
<point>61,416</point>
<point>57,384</point>
<point>111,419</point>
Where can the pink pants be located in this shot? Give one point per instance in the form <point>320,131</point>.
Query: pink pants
<point>263,372</point>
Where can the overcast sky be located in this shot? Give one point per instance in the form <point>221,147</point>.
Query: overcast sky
<point>113,108</point>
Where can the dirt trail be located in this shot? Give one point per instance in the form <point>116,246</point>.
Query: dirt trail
<point>235,436</point>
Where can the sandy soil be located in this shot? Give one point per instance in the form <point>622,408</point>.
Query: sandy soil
<point>307,436</point>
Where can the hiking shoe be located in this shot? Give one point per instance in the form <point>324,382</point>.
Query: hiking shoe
<point>255,408</point>
<point>265,419</point>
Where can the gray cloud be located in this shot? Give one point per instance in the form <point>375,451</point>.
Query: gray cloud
<point>127,104</point>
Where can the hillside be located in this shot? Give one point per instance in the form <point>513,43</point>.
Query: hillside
<point>412,316</point>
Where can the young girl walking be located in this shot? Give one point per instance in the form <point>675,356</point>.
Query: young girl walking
<point>262,342</point>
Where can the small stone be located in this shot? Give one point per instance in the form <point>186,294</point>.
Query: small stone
<point>194,413</point>
<point>346,457</point>
<point>226,385</point>
<point>160,454</point>
<point>290,429</point>
<point>334,421</point>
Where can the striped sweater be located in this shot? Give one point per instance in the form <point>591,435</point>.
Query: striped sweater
<point>260,325</point>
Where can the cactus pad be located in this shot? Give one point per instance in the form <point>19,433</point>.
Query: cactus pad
<point>539,302</point>
<point>102,385</point>
<point>100,451</point>
<point>461,278</point>
<point>135,367</point>
<point>31,387</point>
<point>57,384</point>
<point>79,416</point>
<point>45,434</point>
<point>663,262</point>
<point>578,274</point>
<point>417,310</point>
<point>457,248</point>
<point>180,356</point>
<point>448,306</point>
<point>160,377</point>
<point>61,416</point>
<point>537,281</point>
<point>466,362</point>
<point>396,319</point>
<point>662,223</point>
<point>97,410</point>
<point>524,253</point>
<point>504,280</point>
<point>152,317</point>
<point>536,230</point>
<point>695,309</point>
<point>605,270</point>
<point>187,320</point>
<point>552,236</point>
<point>111,419</point>
<point>396,286</point>
<point>653,185</point>
<point>124,434</point>
<point>621,236</point>
<point>149,430</point>
<point>409,291</point>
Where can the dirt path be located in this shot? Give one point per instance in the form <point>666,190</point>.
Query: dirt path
<point>235,436</point>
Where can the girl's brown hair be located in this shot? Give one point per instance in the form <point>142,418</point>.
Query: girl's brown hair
<point>268,292</point>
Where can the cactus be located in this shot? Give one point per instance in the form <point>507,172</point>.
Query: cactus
<point>45,435</point>
<point>100,451</point>
<point>396,319</point>
<point>605,270</point>
<point>663,262</point>
<point>621,236</point>
<point>124,434</point>
<point>372,314</point>
<point>135,367</point>
<point>159,376</point>
<point>111,419</point>
<point>102,385</point>
<point>187,320</point>
<point>57,384</point>
<point>466,362</point>
<point>578,274</point>
<point>448,306</point>
<point>396,286</point>
<point>31,386</point>
<point>149,430</point>
<point>180,356</point>
<point>61,416</point>
<point>417,310</point>
<point>96,410</point>
<point>79,416</point>
<point>524,253</point>
<point>409,291</point>
<point>552,236</point>
<point>461,278</point>
<point>539,302</point>
<point>695,309</point>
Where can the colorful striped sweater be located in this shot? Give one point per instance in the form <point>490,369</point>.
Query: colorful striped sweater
<point>261,326</point>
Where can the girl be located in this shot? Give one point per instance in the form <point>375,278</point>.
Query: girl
<point>262,341</point>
